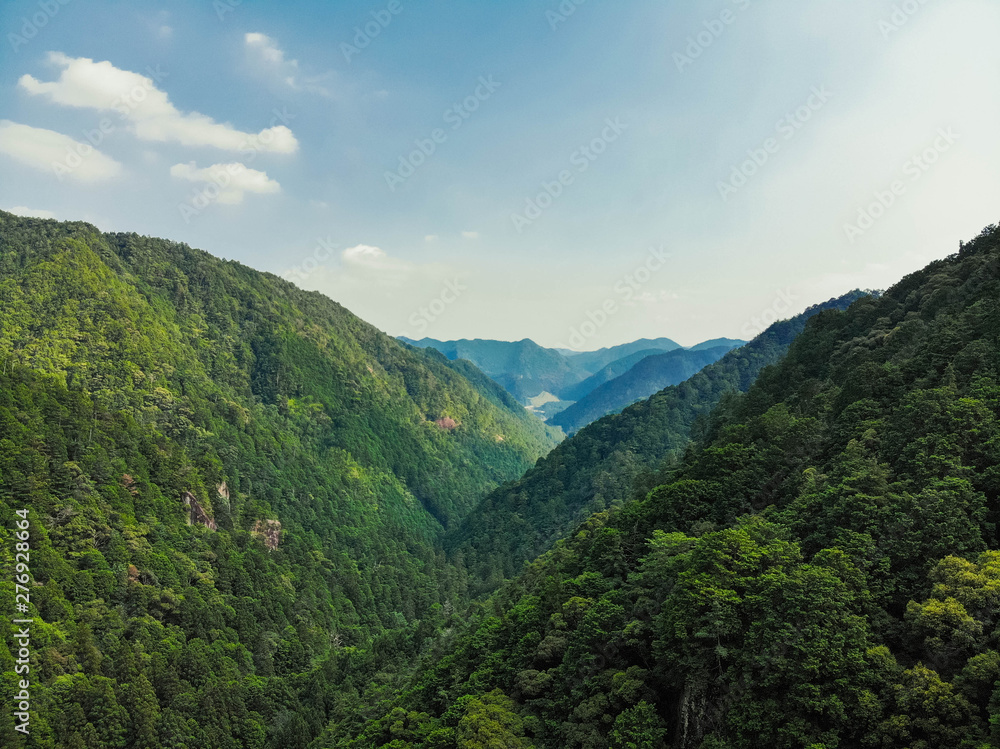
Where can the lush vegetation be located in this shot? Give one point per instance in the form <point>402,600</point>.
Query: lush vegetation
<point>601,466</point>
<point>237,492</point>
<point>646,377</point>
<point>821,570</point>
<point>257,522</point>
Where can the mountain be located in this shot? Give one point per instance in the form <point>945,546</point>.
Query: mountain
<point>820,570</point>
<point>596,468</point>
<point>728,343</point>
<point>523,368</point>
<point>594,361</point>
<point>649,375</point>
<point>235,490</point>
<point>611,371</point>
<point>528,370</point>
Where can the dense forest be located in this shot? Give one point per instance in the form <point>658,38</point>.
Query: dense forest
<point>237,491</point>
<point>821,570</point>
<point>256,521</point>
<point>609,461</point>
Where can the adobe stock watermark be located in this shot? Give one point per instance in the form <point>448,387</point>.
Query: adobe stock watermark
<point>581,159</point>
<point>47,10</point>
<point>450,293</point>
<point>900,16</point>
<point>780,309</point>
<point>125,105</point>
<point>224,7</point>
<point>369,30</point>
<point>455,116</point>
<point>787,128</point>
<point>914,169</point>
<point>561,13</point>
<point>625,290</point>
<point>323,251</point>
<point>713,29</point>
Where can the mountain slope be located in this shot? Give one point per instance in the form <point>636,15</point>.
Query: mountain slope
<point>235,489</point>
<point>650,375</point>
<point>615,369</point>
<point>527,370</point>
<point>523,368</point>
<point>594,361</point>
<point>729,343</point>
<point>822,571</point>
<point>597,467</point>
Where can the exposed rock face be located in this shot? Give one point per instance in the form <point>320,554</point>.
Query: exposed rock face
<point>196,513</point>
<point>223,490</point>
<point>269,531</point>
<point>447,423</point>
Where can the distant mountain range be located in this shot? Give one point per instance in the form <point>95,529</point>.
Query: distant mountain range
<point>647,376</point>
<point>551,381</point>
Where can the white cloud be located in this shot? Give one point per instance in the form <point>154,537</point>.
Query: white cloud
<point>21,210</point>
<point>470,235</point>
<point>48,150</point>
<point>431,238</point>
<point>266,54</point>
<point>368,266</point>
<point>366,256</point>
<point>233,180</point>
<point>100,85</point>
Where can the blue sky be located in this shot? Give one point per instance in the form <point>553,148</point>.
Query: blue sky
<point>510,170</point>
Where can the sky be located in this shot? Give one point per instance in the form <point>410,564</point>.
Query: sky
<point>578,172</point>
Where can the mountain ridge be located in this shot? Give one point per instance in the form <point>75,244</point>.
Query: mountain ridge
<point>647,376</point>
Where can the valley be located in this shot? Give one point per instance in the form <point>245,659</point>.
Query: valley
<point>246,496</point>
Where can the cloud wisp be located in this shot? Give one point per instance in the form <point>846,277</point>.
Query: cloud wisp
<point>232,180</point>
<point>47,150</point>
<point>85,83</point>
<point>265,53</point>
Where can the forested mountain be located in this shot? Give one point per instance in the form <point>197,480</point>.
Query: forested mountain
<point>236,491</point>
<point>594,361</point>
<point>528,370</point>
<point>523,368</point>
<point>597,467</point>
<point>728,343</point>
<point>615,369</point>
<point>647,376</point>
<point>822,570</point>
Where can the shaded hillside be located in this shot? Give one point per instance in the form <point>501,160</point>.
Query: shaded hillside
<point>594,361</point>
<point>597,467</point>
<point>728,343</point>
<point>231,483</point>
<point>650,375</point>
<point>523,368</point>
<point>528,370</point>
<point>611,371</point>
<point>823,571</point>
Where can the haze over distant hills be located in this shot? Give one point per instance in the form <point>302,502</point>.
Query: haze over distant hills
<point>647,376</point>
<point>548,381</point>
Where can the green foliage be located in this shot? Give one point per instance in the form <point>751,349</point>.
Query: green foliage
<point>822,569</point>
<point>608,461</point>
<point>137,375</point>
